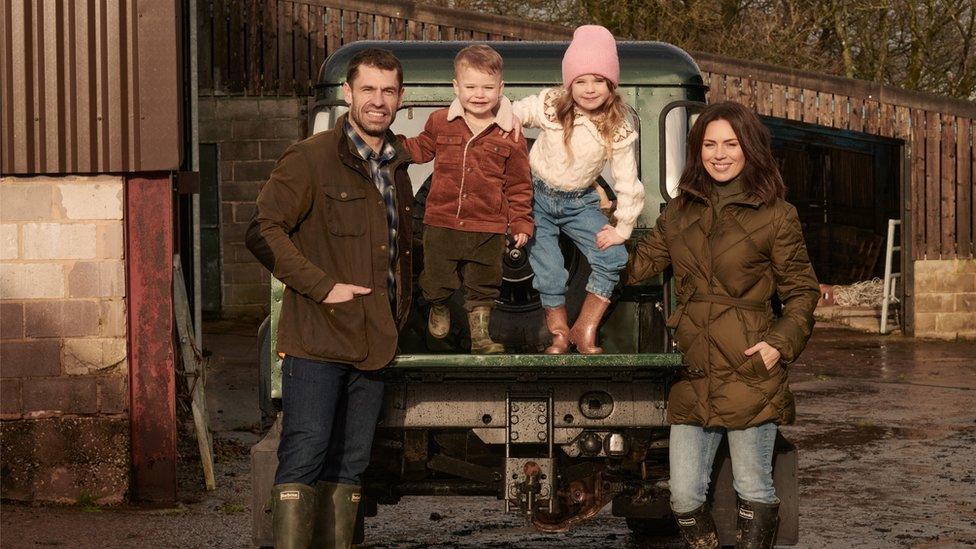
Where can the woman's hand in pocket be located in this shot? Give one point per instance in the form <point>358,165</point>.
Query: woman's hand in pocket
<point>767,352</point>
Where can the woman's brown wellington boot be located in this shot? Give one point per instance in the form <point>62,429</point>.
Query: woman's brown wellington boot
<point>756,525</point>
<point>697,528</point>
<point>559,328</point>
<point>584,331</point>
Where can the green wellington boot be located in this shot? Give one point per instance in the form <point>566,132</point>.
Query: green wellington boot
<point>756,525</point>
<point>338,506</point>
<point>481,342</point>
<point>293,515</point>
<point>698,528</point>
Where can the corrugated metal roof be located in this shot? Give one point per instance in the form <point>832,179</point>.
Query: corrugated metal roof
<point>89,86</point>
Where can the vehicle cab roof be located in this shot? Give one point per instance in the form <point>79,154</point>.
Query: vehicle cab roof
<point>529,63</point>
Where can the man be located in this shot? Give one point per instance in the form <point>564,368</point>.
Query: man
<point>333,224</point>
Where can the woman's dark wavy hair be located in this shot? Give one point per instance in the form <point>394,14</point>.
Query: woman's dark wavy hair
<point>760,176</point>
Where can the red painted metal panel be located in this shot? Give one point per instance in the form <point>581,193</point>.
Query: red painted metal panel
<point>152,381</point>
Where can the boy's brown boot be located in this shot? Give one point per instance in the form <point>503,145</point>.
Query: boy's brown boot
<point>584,331</point>
<point>559,328</point>
<point>481,342</point>
<point>439,321</point>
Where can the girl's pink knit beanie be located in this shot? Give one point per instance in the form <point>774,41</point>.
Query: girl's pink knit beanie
<point>592,51</point>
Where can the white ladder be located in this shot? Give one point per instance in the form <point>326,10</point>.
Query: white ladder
<point>889,295</point>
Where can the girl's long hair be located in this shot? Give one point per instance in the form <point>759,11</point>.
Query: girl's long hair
<point>760,175</point>
<point>610,117</point>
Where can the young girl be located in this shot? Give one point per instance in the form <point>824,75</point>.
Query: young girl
<point>583,126</point>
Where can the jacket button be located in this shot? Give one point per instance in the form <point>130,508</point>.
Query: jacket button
<point>379,202</point>
<point>407,252</point>
<point>343,195</point>
<point>331,311</point>
<point>465,195</point>
<point>382,246</point>
<point>406,208</point>
<point>461,223</point>
<point>469,170</point>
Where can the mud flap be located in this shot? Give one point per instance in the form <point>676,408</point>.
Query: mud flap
<point>785,481</point>
<point>264,462</point>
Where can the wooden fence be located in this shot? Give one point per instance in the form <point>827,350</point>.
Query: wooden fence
<point>274,47</point>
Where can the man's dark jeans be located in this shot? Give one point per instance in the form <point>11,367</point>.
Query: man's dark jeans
<point>330,414</point>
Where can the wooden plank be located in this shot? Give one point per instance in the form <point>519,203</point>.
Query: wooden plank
<point>887,120</point>
<point>194,368</point>
<point>747,93</point>
<point>415,30</point>
<point>398,29</point>
<point>350,20</point>
<point>763,98</point>
<point>933,225</point>
<point>964,189</point>
<point>149,303</point>
<point>286,47</point>
<point>856,122</point>
<point>917,162</point>
<point>842,111</point>
<point>872,123</point>
<point>902,125</point>
<point>478,35</point>
<point>733,88</point>
<point>205,46</point>
<point>432,32</point>
<point>449,33</point>
<point>235,45</point>
<point>810,106</point>
<point>948,184</point>
<point>717,88</point>
<point>825,109</point>
<point>318,31</point>
<point>365,30</point>
<point>255,11</point>
<point>301,45</point>
<point>382,27</point>
<point>220,45</point>
<point>779,101</point>
<point>269,38</point>
<point>972,183</point>
<point>334,30</point>
<point>794,105</point>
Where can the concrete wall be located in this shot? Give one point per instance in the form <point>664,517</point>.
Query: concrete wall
<point>945,299</point>
<point>63,366</point>
<point>251,133</point>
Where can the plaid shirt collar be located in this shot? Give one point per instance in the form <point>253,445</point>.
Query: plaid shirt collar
<point>387,151</point>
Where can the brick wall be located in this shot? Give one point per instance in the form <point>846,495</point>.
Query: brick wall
<point>945,299</point>
<point>251,133</point>
<point>63,367</point>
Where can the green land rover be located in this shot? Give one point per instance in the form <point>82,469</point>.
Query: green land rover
<point>555,437</point>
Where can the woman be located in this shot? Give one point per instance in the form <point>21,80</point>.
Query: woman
<point>732,242</point>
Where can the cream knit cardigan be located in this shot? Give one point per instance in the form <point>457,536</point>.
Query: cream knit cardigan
<point>550,162</point>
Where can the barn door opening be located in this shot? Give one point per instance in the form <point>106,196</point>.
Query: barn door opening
<point>845,186</point>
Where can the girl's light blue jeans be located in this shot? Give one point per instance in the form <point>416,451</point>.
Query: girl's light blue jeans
<point>692,451</point>
<point>578,215</point>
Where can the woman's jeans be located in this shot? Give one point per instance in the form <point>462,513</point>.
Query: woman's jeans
<point>576,213</point>
<point>329,416</point>
<point>692,451</point>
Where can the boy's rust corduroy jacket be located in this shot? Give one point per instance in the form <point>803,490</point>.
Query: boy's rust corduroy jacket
<point>727,268</point>
<point>320,220</point>
<point>481,182</point>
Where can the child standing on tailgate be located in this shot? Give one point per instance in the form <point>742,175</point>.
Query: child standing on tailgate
<point>584,125</point>
<point>481,189</point>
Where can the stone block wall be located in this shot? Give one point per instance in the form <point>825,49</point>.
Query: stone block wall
<point>63,365</point>
<point>945,299</point>
<point>250,133</point>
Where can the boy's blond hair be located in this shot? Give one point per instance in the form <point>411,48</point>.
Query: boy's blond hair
<point>479,57</point>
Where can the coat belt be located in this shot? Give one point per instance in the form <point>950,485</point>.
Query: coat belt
<point>739,303</point>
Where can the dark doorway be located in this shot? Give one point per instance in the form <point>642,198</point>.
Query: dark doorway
<point>210,229</point>
<point>845,187</point>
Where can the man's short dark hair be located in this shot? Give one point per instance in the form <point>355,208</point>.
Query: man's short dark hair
<point>376,58</point>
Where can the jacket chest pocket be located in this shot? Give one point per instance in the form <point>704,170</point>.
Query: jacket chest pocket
<point>449,149</point>
<point>346,210</point>
<point>496,156</point>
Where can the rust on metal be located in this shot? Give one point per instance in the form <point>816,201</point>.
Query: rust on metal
<point>152,378</point>
<point>90,87</point>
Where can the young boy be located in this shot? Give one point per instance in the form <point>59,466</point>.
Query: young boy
<point>481,189</point>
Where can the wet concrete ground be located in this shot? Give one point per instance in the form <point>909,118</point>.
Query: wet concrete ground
<point>886,434</point>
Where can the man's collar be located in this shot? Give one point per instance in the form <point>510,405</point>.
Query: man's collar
<point>387,150</point>
<point>504,116</point>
